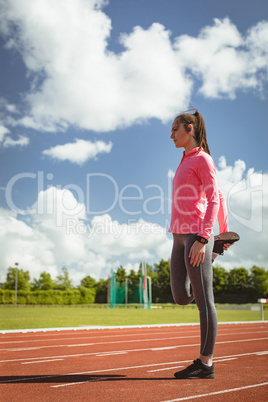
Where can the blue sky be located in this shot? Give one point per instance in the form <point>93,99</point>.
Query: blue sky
<point>89,90</point>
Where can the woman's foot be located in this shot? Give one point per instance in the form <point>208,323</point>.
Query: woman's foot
<point>222,239</point>
<point>196,370</point>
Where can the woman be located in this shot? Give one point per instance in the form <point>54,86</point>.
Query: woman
<point>196,203</point>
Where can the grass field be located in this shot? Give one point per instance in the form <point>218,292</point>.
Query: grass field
<point>77,316</point>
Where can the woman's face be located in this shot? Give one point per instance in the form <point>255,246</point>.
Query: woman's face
<point>179,135</point>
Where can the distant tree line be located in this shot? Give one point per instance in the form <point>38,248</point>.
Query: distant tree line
<point>238,285</point>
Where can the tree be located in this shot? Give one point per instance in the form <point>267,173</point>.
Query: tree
<point>259,281</point>
<point>161,282</point>
<point>219,279</point>
<point>101,291</point>
<point>45,282</point>
<point>23,279</point>
<point>87,295</point>
<point>88,282</point>
<point>121,274</point>
<point>63,282</point>
<point>238,281</point>
<point>134,276</point>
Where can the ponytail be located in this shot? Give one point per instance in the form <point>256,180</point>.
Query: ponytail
<point>198,124</point>
<point>201,132</point>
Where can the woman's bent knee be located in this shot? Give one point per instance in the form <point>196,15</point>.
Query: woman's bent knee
<point>182,300</point>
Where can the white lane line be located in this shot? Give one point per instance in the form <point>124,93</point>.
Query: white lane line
<point>126,350</point>
<point>218,392</point>
<point>20,349</point>
<point>71,346</point>
<point>224,360</point>
<point>243,340</point>
<point>165,348</point>
<point>42,361</point>
<point>163,369</point>
<point>111,353</point>
<point>73,355</point>
<point>215,361</point>
<point>109,342</point>
<point>239,355</point>
<point>98,336</point>
<point>126,335</point>
<point>78,382</point>
<point>99,343</point>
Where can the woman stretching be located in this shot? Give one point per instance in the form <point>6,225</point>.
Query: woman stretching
<point>196,203</point>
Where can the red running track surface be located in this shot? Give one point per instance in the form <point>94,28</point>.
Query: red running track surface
<point>132,364</point>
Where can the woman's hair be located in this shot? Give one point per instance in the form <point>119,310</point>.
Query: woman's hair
<point>198,124</point>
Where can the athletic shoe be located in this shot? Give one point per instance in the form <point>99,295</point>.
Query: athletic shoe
<point>195,371</point>
<point>223,238</point>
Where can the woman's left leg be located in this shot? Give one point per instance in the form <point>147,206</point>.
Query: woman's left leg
<point>202,284</point>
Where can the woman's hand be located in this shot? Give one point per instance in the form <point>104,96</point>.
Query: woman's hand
<point>197,253</point>
<point>225,248</point>
<point>227,245</point>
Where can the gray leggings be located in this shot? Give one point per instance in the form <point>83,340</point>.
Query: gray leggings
<point>189,283</point>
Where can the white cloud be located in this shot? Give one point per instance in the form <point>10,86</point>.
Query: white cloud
<point>43,244</point>
<point>76,80</point>
<point>22,141</point>
<point>6,141</point>
<point>24,244</point>
<point>11,108</point>
<point>3,132</point>
<point>246,193</point>
<point>138,240</point>
<point>58,234</point>
<point>30,122</point>
<point>78,152</point>
<point>257,43</point>
<point>6,120</point>
<point>224,60</point>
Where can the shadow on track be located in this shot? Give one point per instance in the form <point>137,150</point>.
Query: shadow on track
<point>69,378</point>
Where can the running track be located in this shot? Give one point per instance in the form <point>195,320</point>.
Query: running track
<point>132,364</point>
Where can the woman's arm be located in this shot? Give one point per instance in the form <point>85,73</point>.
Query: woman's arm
<point>207,175</point>
<point>222,214</point>
<point>206,172</point>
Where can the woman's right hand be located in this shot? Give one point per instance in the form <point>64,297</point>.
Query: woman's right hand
<point>197,253</point>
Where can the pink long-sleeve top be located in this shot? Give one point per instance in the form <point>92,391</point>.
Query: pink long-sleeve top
<point>196,199</point>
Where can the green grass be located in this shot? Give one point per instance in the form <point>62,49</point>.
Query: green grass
<point>27,317</point>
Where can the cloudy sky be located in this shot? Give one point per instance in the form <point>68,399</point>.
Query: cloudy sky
<point>89,89</point>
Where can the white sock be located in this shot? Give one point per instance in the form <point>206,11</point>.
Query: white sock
<point>207,365</point>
